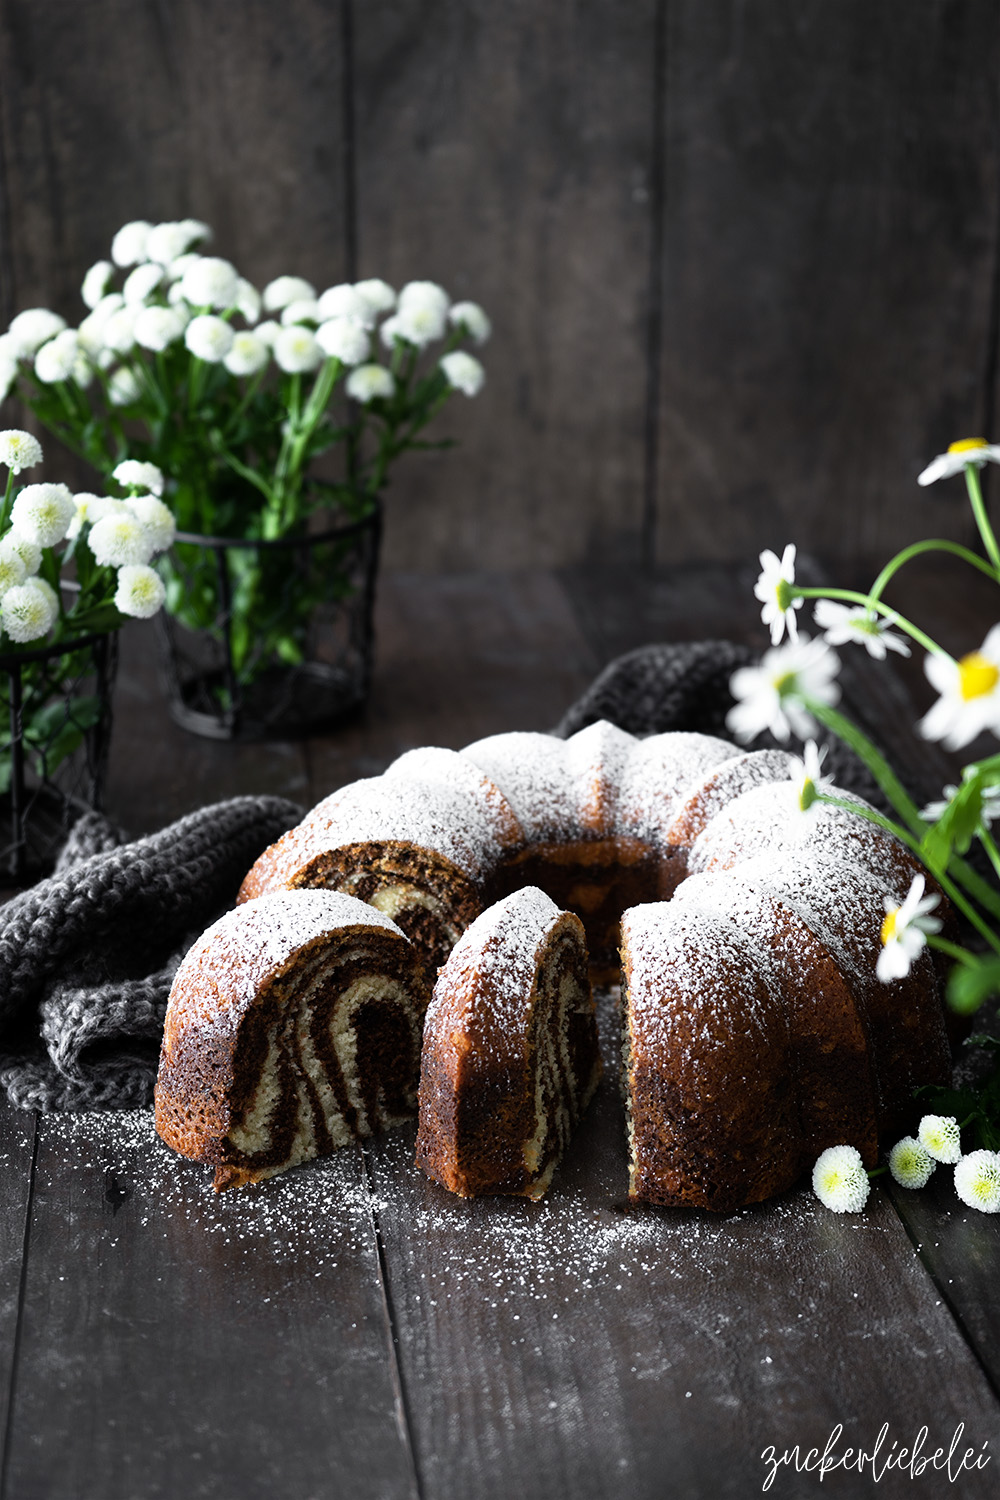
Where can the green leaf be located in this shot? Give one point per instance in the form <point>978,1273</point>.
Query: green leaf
<point>970,985</point>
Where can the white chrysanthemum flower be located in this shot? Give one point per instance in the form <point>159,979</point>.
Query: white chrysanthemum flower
<point>57,360</point>
<point>905,930</point>
<point>268,331</point>
<point>470,316</point>
<point>136,474</point>
<point>807,781</point>
<point>178,269</point>
<point>8,374</point>
<point>158,327</point>
<point>19,450</point>
<point>87,508</point>
<point>29,552</point>
<point>120,539</point>
<point>843,624</point>
<point>166,243</point>
<point>425,294</point>
<point>769,694</point>
<point>123,387</point>
<point>157,518</point>
<point>29,610</point>
<point>248,355</point>
<point>83,370</point>
<point>42,513</point>
<point>285,289</point>
<point>210,282</point>
<point>33,328</point>
<point>390,331</point>
<point>420,323</point>
<point>140,283</point>
<point>345,301</point>
<point>378,294</point>
<point>128,247</point>
<point>773,589</point>
<point>303,310</point>
<point>342,339</point>
<point>975,451</point>
<point>197,229</point>
<point>910,1164</point>
<point>95,283</point>
<point>140,591</point>
<point>106,359</point>
<point>248,300</point>
<point>464,372</point>
<point>91,331</point>
<point>840,1181</point>
<point>977,1181</point>
<point>12,571</point>
<point>297,351</point>
<point>370,383</point>
<point>941,1137</point>
<point>119,330</point>
<point>209,338</point>
<point>970,694</point>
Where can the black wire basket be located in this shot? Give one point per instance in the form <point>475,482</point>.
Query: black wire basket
<point>55,704</point>
<point>270,639</point>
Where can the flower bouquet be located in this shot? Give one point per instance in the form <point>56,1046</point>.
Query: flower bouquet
<point>794,689</point>
<point>72,568</point>
<point>178,368</point>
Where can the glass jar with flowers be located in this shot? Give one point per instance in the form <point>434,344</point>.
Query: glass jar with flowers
<point>276,424</point>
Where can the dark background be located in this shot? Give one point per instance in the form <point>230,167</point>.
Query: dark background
<point>741,258</point>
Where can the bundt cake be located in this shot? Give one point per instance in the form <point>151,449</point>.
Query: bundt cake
<point>510,1058</point>
<point>755,1030</point>
<point>293,1026</point>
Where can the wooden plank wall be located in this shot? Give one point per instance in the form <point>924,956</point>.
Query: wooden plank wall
<point>741,258</point>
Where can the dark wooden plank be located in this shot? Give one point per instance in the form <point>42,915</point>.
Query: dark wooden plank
<point>829,257</point>
<point>573,1348</point>
<point>179,1343</point>
<point>504,151</point>
<point>17,1140</point>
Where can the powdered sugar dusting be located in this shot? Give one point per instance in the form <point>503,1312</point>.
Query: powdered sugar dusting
<point>768,817</point>
<point>656,775</point>
<point>532,772</point>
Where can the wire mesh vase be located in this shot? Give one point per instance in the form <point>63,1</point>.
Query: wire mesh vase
<point>270,639</point>
<point>54,741</point>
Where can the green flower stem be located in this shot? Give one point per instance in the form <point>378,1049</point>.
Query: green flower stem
<point>960,955</point>
<point>853,597</point>
<point>979,511</point>
<point>976,886</point>
<point>986,839</point>
<point>883,773</point>
<point>936,545</point>
<point>8,500</point>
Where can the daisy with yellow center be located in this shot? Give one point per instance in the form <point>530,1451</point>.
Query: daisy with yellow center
<point>977,1181</point>
<point>905,930</point>
<point>840,1181</point>
<point>970,694</point>
<point>774,589</point>
<point>975,451</point>
<point>941,1138</point>
<point>807,781</point>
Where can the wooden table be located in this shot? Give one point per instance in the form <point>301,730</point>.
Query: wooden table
<point>352,1330</point>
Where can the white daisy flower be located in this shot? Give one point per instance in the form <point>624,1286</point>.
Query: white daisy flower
<point>977,1181</point>
<point>904,933</point>
<point>970,694</point>
<point>158,327</point>
<point>248,354</point>
<point>128,247</point>
<point>464,372</point>
<point>118,332</point>
<point>42,513</point>
<point>840,1181</point>
<point>123,387</point>
<point>773,588</point>
<point>470,316</point>
<point>57,360</point>
<point>378,294</point>
<point>342,339</point>
<point>303,310</point>
<point>140,283</point>
<point>843,624</point>
<point>285,289</point>
<point>910,1164</point>
<point>390,332</point>
<point>807,782</point>
<point>119,539</point>
<point>769,693</point>
<point>29,552</point>
<point>29,610</point>
<point>369,383</point>
<point>33,328</point>
<point>941,1138</point>
<point>157,518</point>
<point>135,474</point>
<point>140,591</point>
<point>268,331</point>
<point>210,282</point>
<point>967,451</point>
<point>345,301</point>
<point>166,243</point>
<point>421,322</point>
<point>19,450</point>
<point>209,338</point>
<point>248,300</point>
<point>297,351</point>
<point>12,571</point>
<point>95,283</point>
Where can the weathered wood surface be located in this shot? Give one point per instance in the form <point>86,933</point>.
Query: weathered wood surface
<point>742,261</point>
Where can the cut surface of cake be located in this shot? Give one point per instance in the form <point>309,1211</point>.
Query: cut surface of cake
<point>294,1026</point>
<point>510,1057</point>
